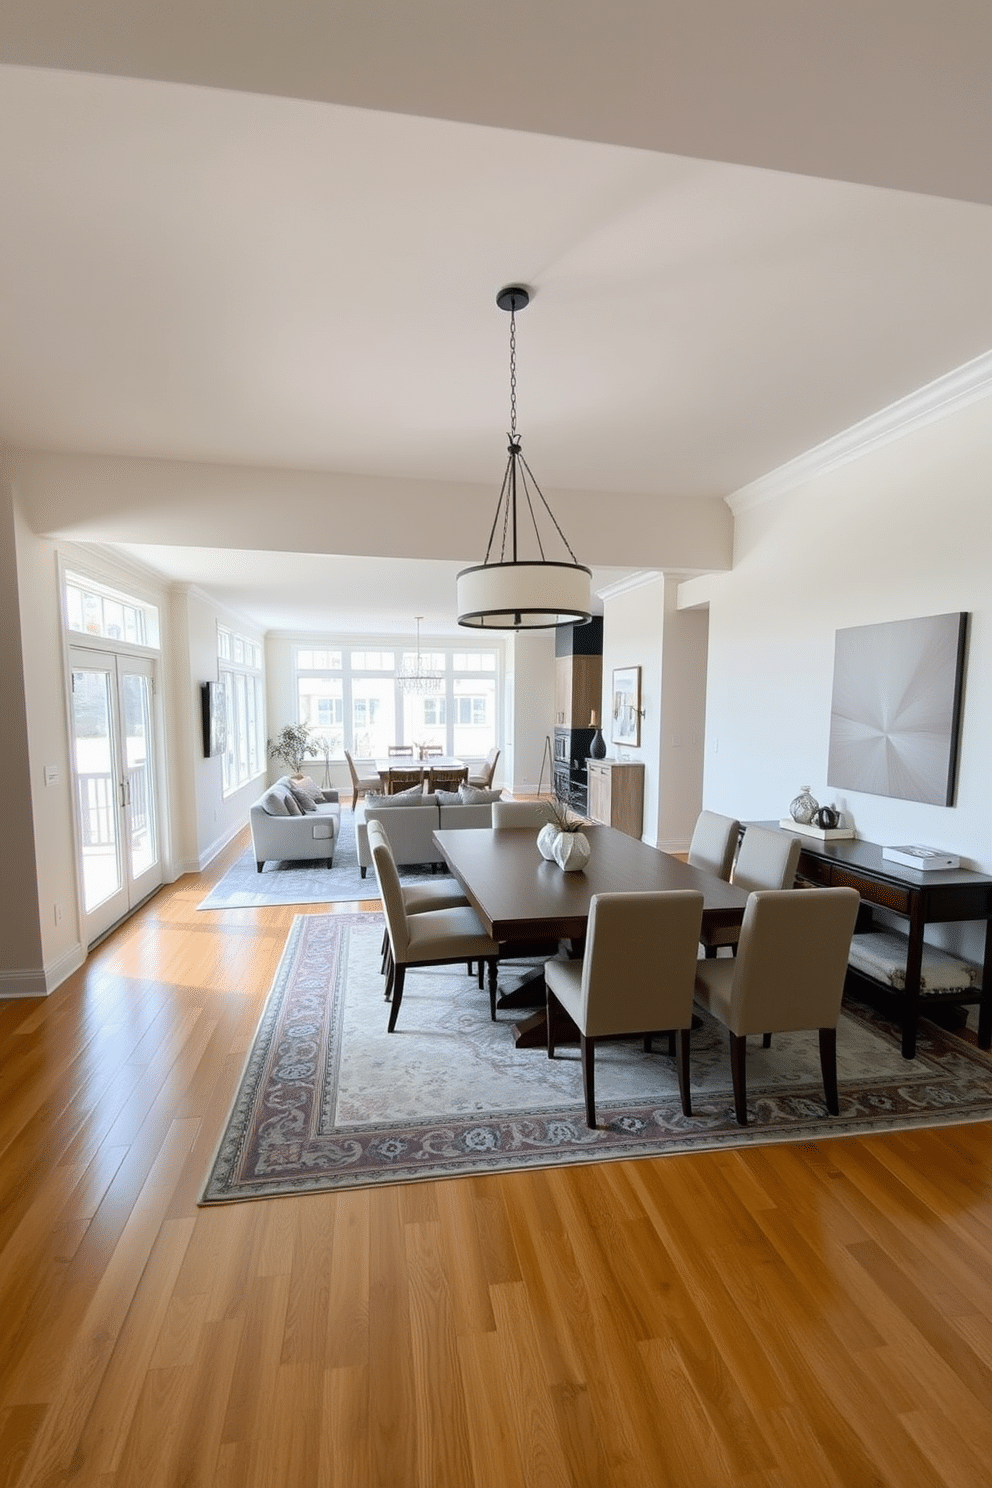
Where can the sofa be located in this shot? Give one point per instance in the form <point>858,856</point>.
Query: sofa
<point>410,820</point>
<point>294,820</point>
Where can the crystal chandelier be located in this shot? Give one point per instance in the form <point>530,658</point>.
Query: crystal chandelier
<point>413,676</point>
<point>507,591</point>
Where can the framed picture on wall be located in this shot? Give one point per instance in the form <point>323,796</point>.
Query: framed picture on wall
<point>214,718</point>
<point>626,706</point>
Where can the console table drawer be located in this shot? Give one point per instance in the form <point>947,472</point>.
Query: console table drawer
<point>813,869</point>
<point>889,896</point>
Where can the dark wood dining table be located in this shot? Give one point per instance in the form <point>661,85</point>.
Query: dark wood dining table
<point>521,898</point>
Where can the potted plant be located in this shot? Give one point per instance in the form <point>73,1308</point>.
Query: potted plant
<point>293,743</point>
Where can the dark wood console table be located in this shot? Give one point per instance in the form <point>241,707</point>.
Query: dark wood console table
<point>938,897</point>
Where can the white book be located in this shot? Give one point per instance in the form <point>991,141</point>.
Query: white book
<point>923,858</point>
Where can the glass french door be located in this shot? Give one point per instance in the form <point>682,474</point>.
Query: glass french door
<point>113,755</point>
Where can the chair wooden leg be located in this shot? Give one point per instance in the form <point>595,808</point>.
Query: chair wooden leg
<point>587,1048</point>
<point>649,1043</point>
<point>738,1055</point>
<point>399,973</point>
<point>766,1040</point>
<point>828,1068</point>
<point>388,992</point>
<point>550,1010</point>
<point>493,988</point>
<point>682,1037</point>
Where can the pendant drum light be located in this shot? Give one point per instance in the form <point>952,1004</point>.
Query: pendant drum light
<point>508,591</point>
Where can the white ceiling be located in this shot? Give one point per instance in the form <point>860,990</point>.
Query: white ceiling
<point>196,273</point>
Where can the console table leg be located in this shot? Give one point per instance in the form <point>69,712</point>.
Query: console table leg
<point>911,993</point>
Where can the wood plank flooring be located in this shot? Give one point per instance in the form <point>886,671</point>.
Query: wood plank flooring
<point>817,1314</point>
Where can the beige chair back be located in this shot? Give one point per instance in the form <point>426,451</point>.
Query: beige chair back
<point>390,891</point>
<point>714,842</point>
<point>399,751</point>
<point>640,962</point>
<point>484,779</point>
<point>791,960</point>
<point>766,860</point>
<point>534,814</point>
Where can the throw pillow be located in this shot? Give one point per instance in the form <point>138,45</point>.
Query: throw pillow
<point>471,795</point>
<point>310,786</point>
<point>292,805</point>
<point>303,799</point>
<point>412,797</point>
<point>448,798</point>
<point>274,802</point>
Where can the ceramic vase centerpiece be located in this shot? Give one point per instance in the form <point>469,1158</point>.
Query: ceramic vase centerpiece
<point>804,807</point>
<point>562,840</point>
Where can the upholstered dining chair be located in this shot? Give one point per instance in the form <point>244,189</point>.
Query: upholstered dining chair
<point>446,779</point>
<point>401,780</point>
<point>636,976</point>
<point>437,937</point>
<point>534,814</point>
<point>714,842</point>
<point>766,859</point>
<point>443,893</point>
<point>788,975</point>
<point>484,778</point>
<point>364,777</point>
<point>399,751</point>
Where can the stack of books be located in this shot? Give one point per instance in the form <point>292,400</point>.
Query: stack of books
<point>923,858</point>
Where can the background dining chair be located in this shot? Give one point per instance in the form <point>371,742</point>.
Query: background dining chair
<point>430,751</point>
<point>364,777</point>
<point>714,842</point>
<point>418,898</point>
<point>437,937</point>
<point>766,859</point>
<point>534,814</point>
<point>446,779</point>
<point>401,780</point>
<point>484,778</point>
<point>788,974</point>
<point>400,751</point>
<point>636,976</point>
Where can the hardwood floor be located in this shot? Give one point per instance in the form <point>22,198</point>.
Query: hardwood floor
<point>817,1314</point>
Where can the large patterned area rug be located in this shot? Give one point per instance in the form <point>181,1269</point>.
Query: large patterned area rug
<point>243,887</point>
<point>330,1100</point>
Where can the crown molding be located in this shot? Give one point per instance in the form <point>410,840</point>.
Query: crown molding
<point>937,400</point>
<point>632,581</point>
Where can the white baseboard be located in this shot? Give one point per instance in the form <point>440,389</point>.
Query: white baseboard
<point>71,960</point>
<point>217,846</point>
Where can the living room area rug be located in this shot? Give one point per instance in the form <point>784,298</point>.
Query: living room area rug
<point>243,887</point>
<point>330,1100</point>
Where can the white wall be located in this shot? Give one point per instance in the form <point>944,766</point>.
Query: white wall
<point>901,532</point>
<point>643,627</point>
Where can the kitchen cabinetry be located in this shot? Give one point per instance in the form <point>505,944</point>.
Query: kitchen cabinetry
<point>616,794</point>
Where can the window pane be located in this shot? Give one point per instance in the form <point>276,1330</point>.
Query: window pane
<point>321,705</point>
<point>373,718</point>
<point>475,716</point>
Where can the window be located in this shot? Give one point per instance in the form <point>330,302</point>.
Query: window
<point>352,699</point>
<point>240,673</point>
<point>93,609</point>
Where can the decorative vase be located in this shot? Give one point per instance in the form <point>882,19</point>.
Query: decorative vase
<point>804,807</point>
<point>571,851</point>
<point>597,749</point>
<point>546,839</point>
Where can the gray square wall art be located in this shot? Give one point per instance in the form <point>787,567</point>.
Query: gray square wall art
<point>896,707</point>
